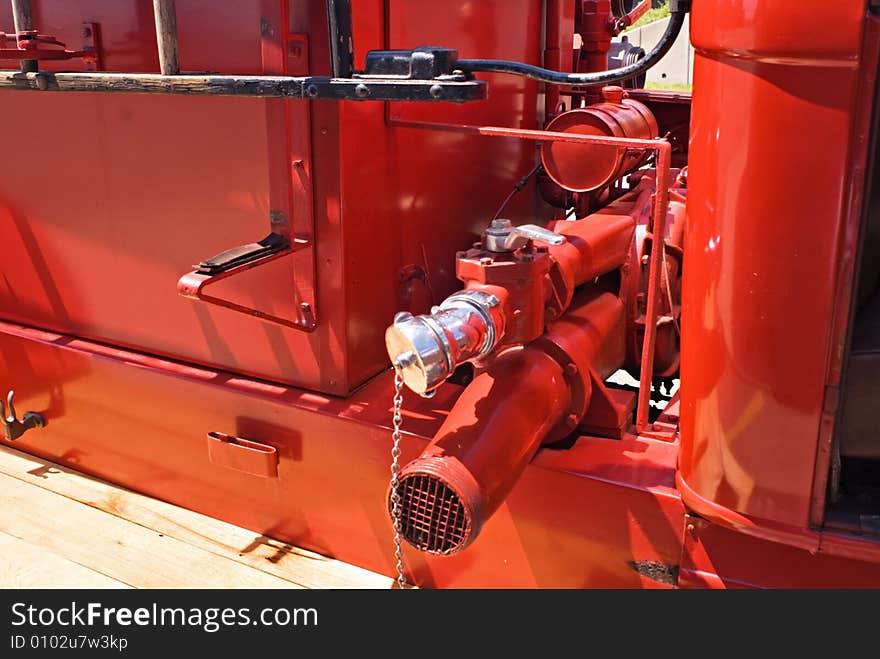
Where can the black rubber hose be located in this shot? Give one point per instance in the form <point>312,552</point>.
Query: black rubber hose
<point>676,21</point>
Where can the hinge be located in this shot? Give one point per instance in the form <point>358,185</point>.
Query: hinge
<point>832,399</point>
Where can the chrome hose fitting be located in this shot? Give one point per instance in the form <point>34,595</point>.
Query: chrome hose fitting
<point>426,349</point>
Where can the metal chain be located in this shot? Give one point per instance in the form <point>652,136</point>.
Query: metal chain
<point>397,421</point>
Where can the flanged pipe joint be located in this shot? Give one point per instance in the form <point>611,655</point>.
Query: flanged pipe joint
<point>504,307</point>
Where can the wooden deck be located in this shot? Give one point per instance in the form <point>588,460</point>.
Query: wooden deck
<point>62,529</point>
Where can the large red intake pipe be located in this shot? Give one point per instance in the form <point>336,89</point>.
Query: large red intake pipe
<point>500,421</point>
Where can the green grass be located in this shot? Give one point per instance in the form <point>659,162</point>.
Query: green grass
<point>650,16</point>
<point>668,86</point>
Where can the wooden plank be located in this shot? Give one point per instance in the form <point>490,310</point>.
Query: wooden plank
<point>117,548</point>
<point>265,554</point>
<point>23,565</point>
<point>311,87</point>
<point>166,36</point>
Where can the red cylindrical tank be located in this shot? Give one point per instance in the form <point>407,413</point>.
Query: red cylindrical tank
<point>772,112</point>
<point>581,168</point>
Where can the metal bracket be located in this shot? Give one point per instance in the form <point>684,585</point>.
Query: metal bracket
<point>12,427</point>
<point>30,45</point>
<point>423,74</point>
<point>307,88</point>
<point>90,44</point>
<point>239,259</point>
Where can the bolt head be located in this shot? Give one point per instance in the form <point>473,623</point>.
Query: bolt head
<point>404,360</point>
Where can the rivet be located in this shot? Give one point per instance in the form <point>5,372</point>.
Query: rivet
<point>436,91</point>
<point>361,91</point>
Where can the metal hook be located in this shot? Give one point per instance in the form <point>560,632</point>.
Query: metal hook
<point>12,427</point>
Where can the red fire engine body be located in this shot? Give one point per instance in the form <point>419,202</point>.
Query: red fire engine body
<point>219,220</point>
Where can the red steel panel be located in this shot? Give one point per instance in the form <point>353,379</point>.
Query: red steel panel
<point>715,557</point>
<point>576,518</point>
<point>415,197</point>
<point>138,188</point>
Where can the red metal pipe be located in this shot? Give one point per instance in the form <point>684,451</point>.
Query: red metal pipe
<point>531,134</point>
<point>482,448</point>
<point>590,342</point>
<point>595,30</point>
<point>595,245</point>
<point>658,249</point>
<point>501,419</point>
<point>590,336</point>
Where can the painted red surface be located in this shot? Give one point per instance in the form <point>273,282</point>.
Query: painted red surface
<point>575,518</point>
<point>135,189</point>
<point>146,186</point>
